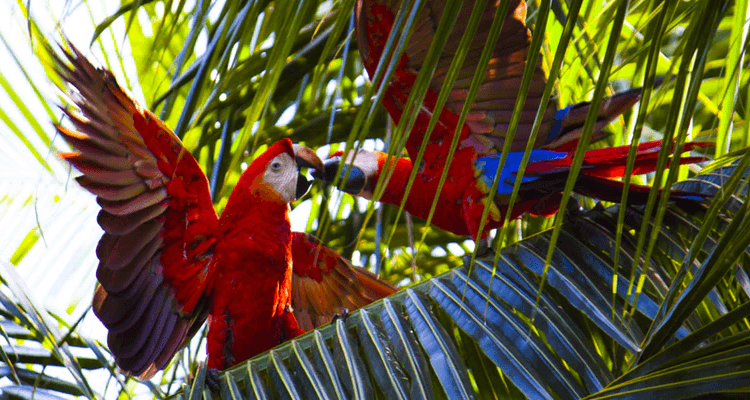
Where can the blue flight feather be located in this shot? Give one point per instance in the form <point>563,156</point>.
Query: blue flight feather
<point>556,129</point>
<point>486,168</point>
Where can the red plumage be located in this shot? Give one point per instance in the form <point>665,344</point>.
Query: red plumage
<point>462,200</point>
<point>167,262</point>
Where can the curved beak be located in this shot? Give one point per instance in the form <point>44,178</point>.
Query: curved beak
<point>305,157</point>
<point>356,180</point>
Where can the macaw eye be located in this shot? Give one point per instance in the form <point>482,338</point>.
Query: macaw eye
<point>276,166</point>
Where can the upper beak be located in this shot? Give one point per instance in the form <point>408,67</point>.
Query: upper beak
<point>353,177</point>
<point>305,157</point>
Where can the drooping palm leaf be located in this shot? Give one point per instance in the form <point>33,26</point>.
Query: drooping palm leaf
<point>566,346</point>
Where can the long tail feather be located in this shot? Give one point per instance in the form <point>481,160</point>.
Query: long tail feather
<point>611,190</point>
<point>548,170</point>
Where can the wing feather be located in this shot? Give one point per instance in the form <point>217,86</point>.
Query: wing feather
<point>325,284</point>
<point>488,119</point>
<point>160,335</point>
<point>115,252</point>
<point>155,257</point>
<point>126,280</point>
<point>497,94</point>
<point>134,204</point>
<point>113,224</point>
<point>119,313</point>
<point>108,192</point>
<point>133,340</point>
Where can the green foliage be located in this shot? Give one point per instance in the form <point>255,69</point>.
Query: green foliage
<point>233,77</point>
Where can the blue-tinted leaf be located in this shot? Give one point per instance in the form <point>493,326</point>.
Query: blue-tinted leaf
<point>577,288</point>
<point>349,364</point>
<point>407,350</point>
<point>561,332</point>
<point>281,377</point>
<point>307,380</point>
<point>326,367</point>
<point>380,358</point>
<point>506,340</point>
<point>255,387</point>
<point>442,352</point>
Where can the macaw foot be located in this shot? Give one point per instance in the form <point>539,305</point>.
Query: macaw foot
<point>342,315</point>
<point>212,380</point>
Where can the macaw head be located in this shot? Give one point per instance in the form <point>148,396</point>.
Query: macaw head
<point>360,171</point>
<point>275,174</point>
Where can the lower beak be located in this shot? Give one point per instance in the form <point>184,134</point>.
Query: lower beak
<point>303,185</point>
<point>305,157</point>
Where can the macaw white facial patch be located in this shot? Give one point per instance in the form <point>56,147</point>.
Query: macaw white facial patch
<point>367,161</point>
<point>281,175</point>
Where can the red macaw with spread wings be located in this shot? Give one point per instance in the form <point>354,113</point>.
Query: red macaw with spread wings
<point>167,262</point>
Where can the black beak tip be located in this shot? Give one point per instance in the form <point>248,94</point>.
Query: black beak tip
<point>330,166</point>
<point>329,170</point>
<point>305,157</point>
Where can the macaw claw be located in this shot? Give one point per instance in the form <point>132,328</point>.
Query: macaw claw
<point>340,315</point>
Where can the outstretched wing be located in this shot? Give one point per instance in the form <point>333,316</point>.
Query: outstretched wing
<point>488,120</point>
<point>490,115</point>
<point>325,284</point>
<point>155,257</point>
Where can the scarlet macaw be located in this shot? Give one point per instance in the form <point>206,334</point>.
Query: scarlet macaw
<point>481,139</point>
<point>167,262</point>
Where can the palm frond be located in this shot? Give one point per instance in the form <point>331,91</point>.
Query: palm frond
<point>562,346</point>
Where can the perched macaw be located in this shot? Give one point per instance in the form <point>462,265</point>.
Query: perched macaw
<point>167,261</point>
<point>473,168</point>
